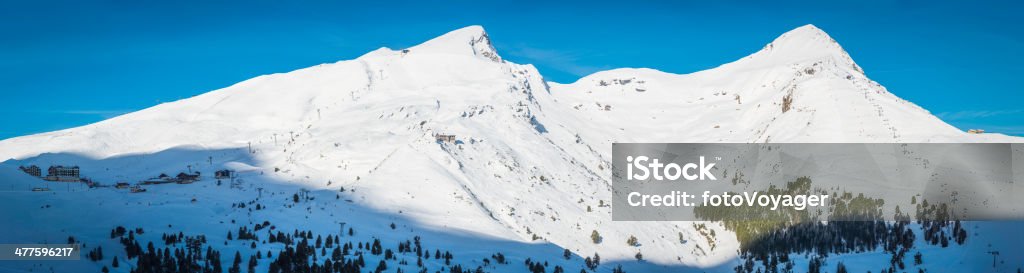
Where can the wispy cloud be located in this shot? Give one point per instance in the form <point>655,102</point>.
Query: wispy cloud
<point>973,114</point>
<point>564,61</point>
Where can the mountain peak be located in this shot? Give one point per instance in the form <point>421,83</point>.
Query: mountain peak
<point>802,43</point>
<point>805,37</point>
<point>471,40</point>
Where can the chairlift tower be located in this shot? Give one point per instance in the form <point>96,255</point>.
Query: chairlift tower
<point>995,254</point>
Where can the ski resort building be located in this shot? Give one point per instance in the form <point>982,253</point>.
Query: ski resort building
<point>63,174</point>
<point>444,138</point>
<point>222,174</point>
<point>184,178</point>
<point>162,179</point>
<point>32,170</point>
<point>137,189</point>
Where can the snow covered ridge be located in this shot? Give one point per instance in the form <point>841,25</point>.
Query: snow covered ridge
<point>452,143</point>
<point>802,87</point>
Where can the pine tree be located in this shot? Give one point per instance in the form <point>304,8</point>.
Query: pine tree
<point>235,265</point>
<point>841,268</point>
<point>632,241</point>
<point>814,266</point>
<point>252,264</point>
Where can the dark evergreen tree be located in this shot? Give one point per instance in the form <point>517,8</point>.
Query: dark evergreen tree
<point>235,266</point>
<point>814,265</point>
<point>252,264</point>
<point>841,268</point>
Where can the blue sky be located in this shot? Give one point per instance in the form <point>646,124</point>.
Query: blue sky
<point>66,64</point>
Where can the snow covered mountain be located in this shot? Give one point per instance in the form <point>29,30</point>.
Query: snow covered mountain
<point>529,162</point>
